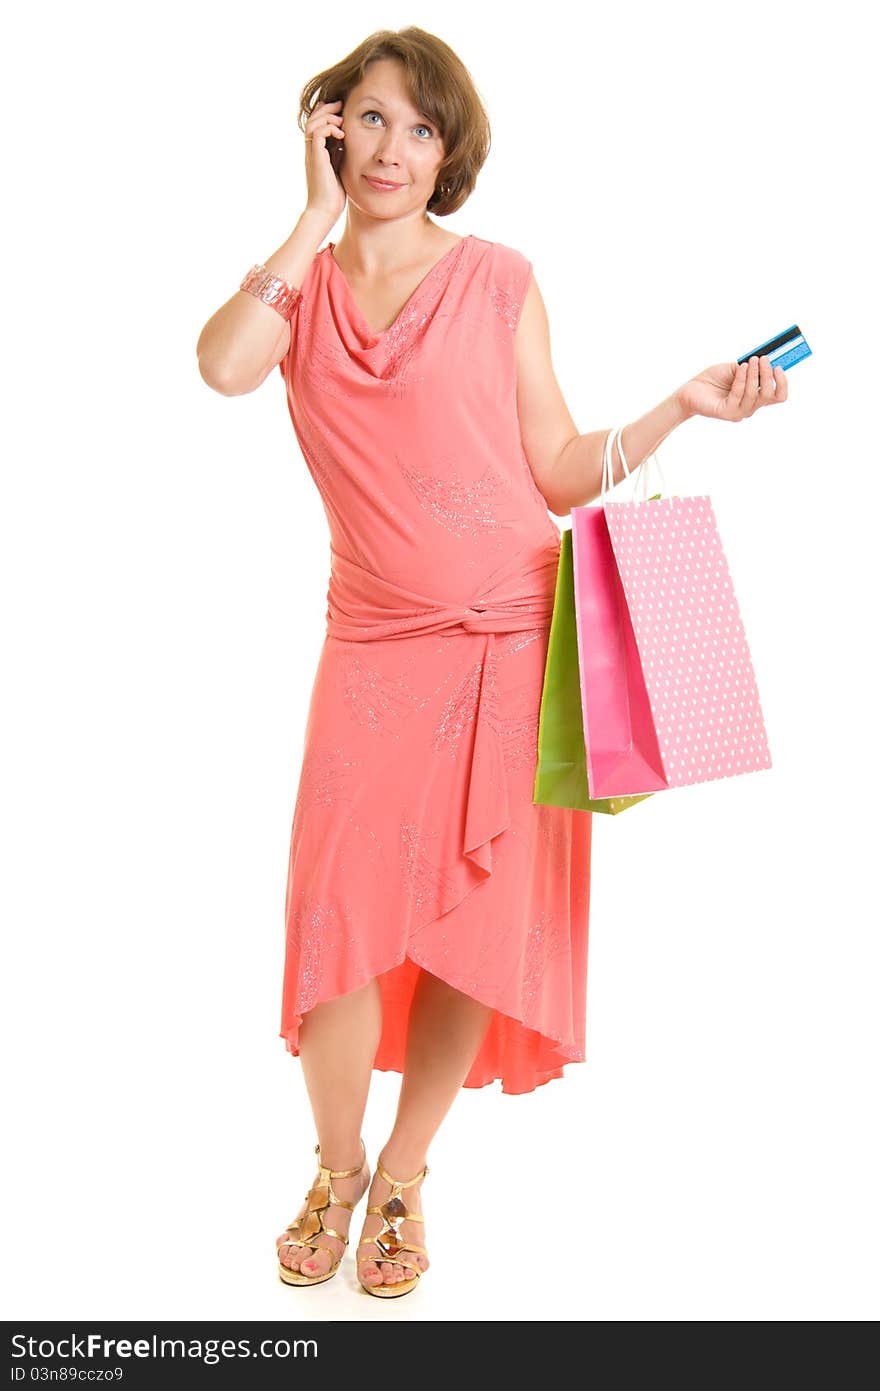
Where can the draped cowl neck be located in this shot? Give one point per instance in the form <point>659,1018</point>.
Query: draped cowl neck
<point>376,349</point>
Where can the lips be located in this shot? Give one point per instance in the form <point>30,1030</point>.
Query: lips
<point>388,183</point>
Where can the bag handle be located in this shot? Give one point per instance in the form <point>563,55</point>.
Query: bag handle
<point>616,436</point>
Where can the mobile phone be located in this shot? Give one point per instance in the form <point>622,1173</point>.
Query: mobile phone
<point>336,148</point>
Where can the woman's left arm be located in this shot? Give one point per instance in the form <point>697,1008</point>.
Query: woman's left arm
<point>726,391</point>
<point>568,466</point>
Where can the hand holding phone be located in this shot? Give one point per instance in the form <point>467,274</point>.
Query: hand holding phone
<point>324,136</point>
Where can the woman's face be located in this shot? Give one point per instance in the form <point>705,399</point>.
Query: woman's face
<point>387,138</point>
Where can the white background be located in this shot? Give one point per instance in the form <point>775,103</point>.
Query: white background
<point>687,181</point>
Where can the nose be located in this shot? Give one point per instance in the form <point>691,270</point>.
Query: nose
<point>387,151</point>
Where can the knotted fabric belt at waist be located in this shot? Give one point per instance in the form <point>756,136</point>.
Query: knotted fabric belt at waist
<point>363,606</point>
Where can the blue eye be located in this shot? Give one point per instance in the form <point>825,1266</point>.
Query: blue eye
<point>418,127</point>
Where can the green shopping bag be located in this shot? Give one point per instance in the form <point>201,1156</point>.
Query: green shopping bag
<point>561,776</point>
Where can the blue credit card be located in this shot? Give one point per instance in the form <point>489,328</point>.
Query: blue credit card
<point>784,350</point>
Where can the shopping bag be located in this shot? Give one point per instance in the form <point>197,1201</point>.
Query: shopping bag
<point>561,774</point>
<point>646,617</point>
<point>668,691</point>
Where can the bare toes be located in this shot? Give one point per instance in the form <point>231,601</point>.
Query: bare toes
<point>317,1262</point>
<point>372,1274</point>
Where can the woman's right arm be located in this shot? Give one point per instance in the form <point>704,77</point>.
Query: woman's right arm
<point>241,344</point>
<point>245,339</point>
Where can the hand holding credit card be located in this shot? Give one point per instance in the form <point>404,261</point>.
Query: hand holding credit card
<point>784,350</point>
<point>736,390</point>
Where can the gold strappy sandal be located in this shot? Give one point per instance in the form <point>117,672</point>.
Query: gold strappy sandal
<point>393,1211</point>
<point>319,1197</point>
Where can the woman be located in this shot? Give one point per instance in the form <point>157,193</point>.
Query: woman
<point>436,918</point>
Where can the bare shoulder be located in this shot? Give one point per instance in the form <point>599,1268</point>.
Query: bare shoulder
<point>546,423</point>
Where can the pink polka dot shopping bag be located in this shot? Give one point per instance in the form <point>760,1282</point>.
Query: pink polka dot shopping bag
<point>648,681</point>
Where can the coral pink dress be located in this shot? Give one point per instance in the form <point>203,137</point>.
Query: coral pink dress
<point>415,842</point>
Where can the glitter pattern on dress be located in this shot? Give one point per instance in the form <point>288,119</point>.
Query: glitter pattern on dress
<point>415,843</point>
<point>317,447</point>
<point>319,370</point>
<point>458,713</point>
<point>506,304</point>
<point>376,700</point>
<point>543,942</point>
<point>507,644</point>
<point>328,777</point>
<point>423,878</point>
<point>519,733</point>
<point>311,931</point>
<point>461,507</point>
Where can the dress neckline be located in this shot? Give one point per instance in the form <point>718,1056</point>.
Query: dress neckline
<point>416,292</point>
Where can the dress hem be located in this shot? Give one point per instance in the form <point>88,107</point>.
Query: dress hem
<point>291,1032</point>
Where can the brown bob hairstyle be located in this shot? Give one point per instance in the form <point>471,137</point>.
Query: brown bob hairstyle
<point>439,85</point>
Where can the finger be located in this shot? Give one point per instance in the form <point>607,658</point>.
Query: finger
<point>319,132</point>
<point>324,125</point>
<point>767,388</point>
<point>781,385</point>
<point>737,388</point>
<point>322,112</point>
<point>750,395</point>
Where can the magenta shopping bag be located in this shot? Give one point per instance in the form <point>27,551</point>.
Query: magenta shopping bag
<point>668,691</point>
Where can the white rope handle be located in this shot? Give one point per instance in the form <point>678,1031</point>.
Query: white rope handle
<point>616,437</point>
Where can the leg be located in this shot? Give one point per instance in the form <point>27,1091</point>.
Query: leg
<point>337,1041</point>
<point>445,1031</point>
